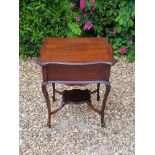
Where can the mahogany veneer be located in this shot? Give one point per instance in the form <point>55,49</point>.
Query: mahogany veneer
<point>78,61</point>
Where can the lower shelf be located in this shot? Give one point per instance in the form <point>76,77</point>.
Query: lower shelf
<point>76,96</point>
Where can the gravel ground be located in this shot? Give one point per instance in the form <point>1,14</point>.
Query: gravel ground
<point>76,129</point>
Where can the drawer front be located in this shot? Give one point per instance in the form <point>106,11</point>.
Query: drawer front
<point>60,72</point>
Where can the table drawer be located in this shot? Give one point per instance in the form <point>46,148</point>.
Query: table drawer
<point>61,72</point>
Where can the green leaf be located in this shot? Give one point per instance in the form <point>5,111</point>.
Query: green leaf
<point>127,16</point>
<point>75,28</point>
<point>28,29</point>
<point>38,7</point>
<point>120,21</point>
<point>130,23</point>
<point>124,24</point>
<point>30,8</point>
<point>116,20</point>
<point>131,56</point>
<point>133,13</point>
<point>119,29</point>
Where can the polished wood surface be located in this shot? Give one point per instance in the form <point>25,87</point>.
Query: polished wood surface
<point>78,61</point>
<point>77,50</point>
<point>60,72</point>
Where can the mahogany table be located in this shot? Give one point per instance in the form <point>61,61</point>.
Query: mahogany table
<point>76,61</point>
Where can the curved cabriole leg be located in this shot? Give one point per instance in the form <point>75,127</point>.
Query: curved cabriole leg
<point>44,90</point>
<point>98,91</point>
<point>53,97</point>
<point>104,103</point>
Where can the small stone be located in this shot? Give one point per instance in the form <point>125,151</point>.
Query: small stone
<point>76,129</point>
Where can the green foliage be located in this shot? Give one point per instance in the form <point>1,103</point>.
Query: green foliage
<point>54,18</point>
<point>125,35</point>
<point>118,15</point>
<point>115,20</point>
<point>75,30</point>
<point>42,18</point>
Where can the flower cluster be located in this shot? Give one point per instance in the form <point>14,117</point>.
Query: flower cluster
<point>77,19</point>
<point>88,25</point>
<point>82,4</point>
<point>85,15</point>
<point>92,5</point>
<point>123,50</point>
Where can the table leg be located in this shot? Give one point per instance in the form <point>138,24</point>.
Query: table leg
<point>98,91</point>
<point>44,90</point>
<point>108,87</point>
<point>53,97</point>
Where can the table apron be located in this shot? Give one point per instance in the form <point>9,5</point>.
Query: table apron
<point>57,72</point>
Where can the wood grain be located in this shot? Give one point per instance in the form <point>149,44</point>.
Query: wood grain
<point>77,50</point>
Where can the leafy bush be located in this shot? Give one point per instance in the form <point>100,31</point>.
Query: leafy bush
<point>42,18</point>
<point>78,18</point>
<point>123,36</point>
<point>114,19</point>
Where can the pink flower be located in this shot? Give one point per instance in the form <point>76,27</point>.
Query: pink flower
<point>92,5</point>
<point>77,19</point>
<point>85,15</point>
<point>85,27</point>
<point>82,4</point>
<point>88,25</point>
<point>93,9</point>
<point>115,31</point>
<point>123,50</point>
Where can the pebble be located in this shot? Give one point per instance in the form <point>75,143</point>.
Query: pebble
<point>76,129</point>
